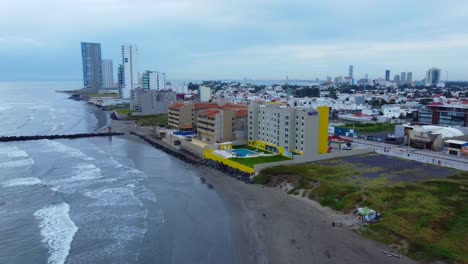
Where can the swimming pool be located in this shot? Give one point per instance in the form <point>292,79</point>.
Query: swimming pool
<point>243,152</point>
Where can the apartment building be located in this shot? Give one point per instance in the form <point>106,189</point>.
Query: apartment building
<point>151,102</point>
<point>440,114</point>
<point>183,115</point>
<point>287,130</point>
<point>226,124</point>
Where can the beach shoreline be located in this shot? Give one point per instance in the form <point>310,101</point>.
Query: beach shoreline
<point>270,226</point>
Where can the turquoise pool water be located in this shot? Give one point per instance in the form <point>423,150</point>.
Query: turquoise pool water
<point>243,152</point>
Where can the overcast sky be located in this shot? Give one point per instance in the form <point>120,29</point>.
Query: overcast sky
<point>233,39</point>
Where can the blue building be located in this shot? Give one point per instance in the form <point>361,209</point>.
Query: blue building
<point>92,66</point>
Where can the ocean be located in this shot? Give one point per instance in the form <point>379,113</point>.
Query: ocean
<point>97,200</point>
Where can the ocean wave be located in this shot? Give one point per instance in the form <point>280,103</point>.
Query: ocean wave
<point>17,163</point>
<point>86,172</point>
<point>54,146</point>
<point>82,176</point>
<point>58,231</point>
<point>17,154</point>
<point>21,182</point>
<point>119,196</point>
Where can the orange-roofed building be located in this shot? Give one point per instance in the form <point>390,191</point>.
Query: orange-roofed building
<point>223,125</point>
<point>184,116</point>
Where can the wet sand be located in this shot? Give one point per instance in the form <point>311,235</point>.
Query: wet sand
<point>270,226</point>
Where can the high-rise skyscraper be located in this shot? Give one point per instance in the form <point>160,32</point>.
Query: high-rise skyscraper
<point>351,71</point>
<point>120,77</point>
<point>107,74</point>
<point>387,75</point>
<point>153,80</point>
<point>92,68</point>
<point>131,75</point>
<point>396,79</point>
<point>409,77</point>
<point>432,76</point>
<point>403,78</point>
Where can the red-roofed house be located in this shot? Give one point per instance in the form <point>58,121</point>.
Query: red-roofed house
<point>183,116</point>
<point>225,124</point>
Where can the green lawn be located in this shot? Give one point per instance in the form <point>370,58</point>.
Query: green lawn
<point>124,111</point>
<point>250,162</point>
<point>432,216</point>
<point>150,120</point>
<point>251,148</point>
<point>371,128</point>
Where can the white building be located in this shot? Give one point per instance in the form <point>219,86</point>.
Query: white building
<point>205,93</point>
<point>131,75</point>
<point>392,111</point>
<point>151,102</point>
<point>153,80</point>
<point>107,74</point>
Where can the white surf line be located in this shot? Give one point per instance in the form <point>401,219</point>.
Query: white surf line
<point>58,230</point>
<point>21,182</point>
<point>17,163</point>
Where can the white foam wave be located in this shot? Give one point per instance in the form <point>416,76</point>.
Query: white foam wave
<point>54,146</point>
<point>17,163</point>
<point>81,177</point>
<point>17,154</point>
<point>58,231</point>
<point>21,182</point>
<point>118,196</point>
<point>86,172</point>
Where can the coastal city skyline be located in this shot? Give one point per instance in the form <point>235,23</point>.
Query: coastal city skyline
<point>258,40</point>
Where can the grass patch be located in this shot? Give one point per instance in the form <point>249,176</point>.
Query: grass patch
<point>150,120</point>
<point>431,216</point>
<point>124,111</point>
<point>371,128</point>
<point>250,162</point>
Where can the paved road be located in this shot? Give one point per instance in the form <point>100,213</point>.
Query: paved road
<point>425,156</point>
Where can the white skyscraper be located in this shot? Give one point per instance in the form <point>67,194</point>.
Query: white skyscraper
<point>107,74</point>
<point>131,75</point>
<point>403,78</point>
<point>409,77</point>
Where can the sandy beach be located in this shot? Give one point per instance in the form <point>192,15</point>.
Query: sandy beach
<point>270,226</point>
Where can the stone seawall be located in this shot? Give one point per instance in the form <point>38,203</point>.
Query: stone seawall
<point>190,158</point>
<point>71,136</point>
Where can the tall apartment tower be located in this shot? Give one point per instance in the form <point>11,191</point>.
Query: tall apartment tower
<point>351,71</point>
<point>396,79</point>
<point>432,76</point>
<point>120,77</point>
<point>92,68</point>
<point>387,75</point>
<point>131,75</point>
<point>409,77</point>
<point>107,74</point>
<point>403,78</point>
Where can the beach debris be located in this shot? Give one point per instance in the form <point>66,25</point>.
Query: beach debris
<point>390,254</point>
<point>367,215</point>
